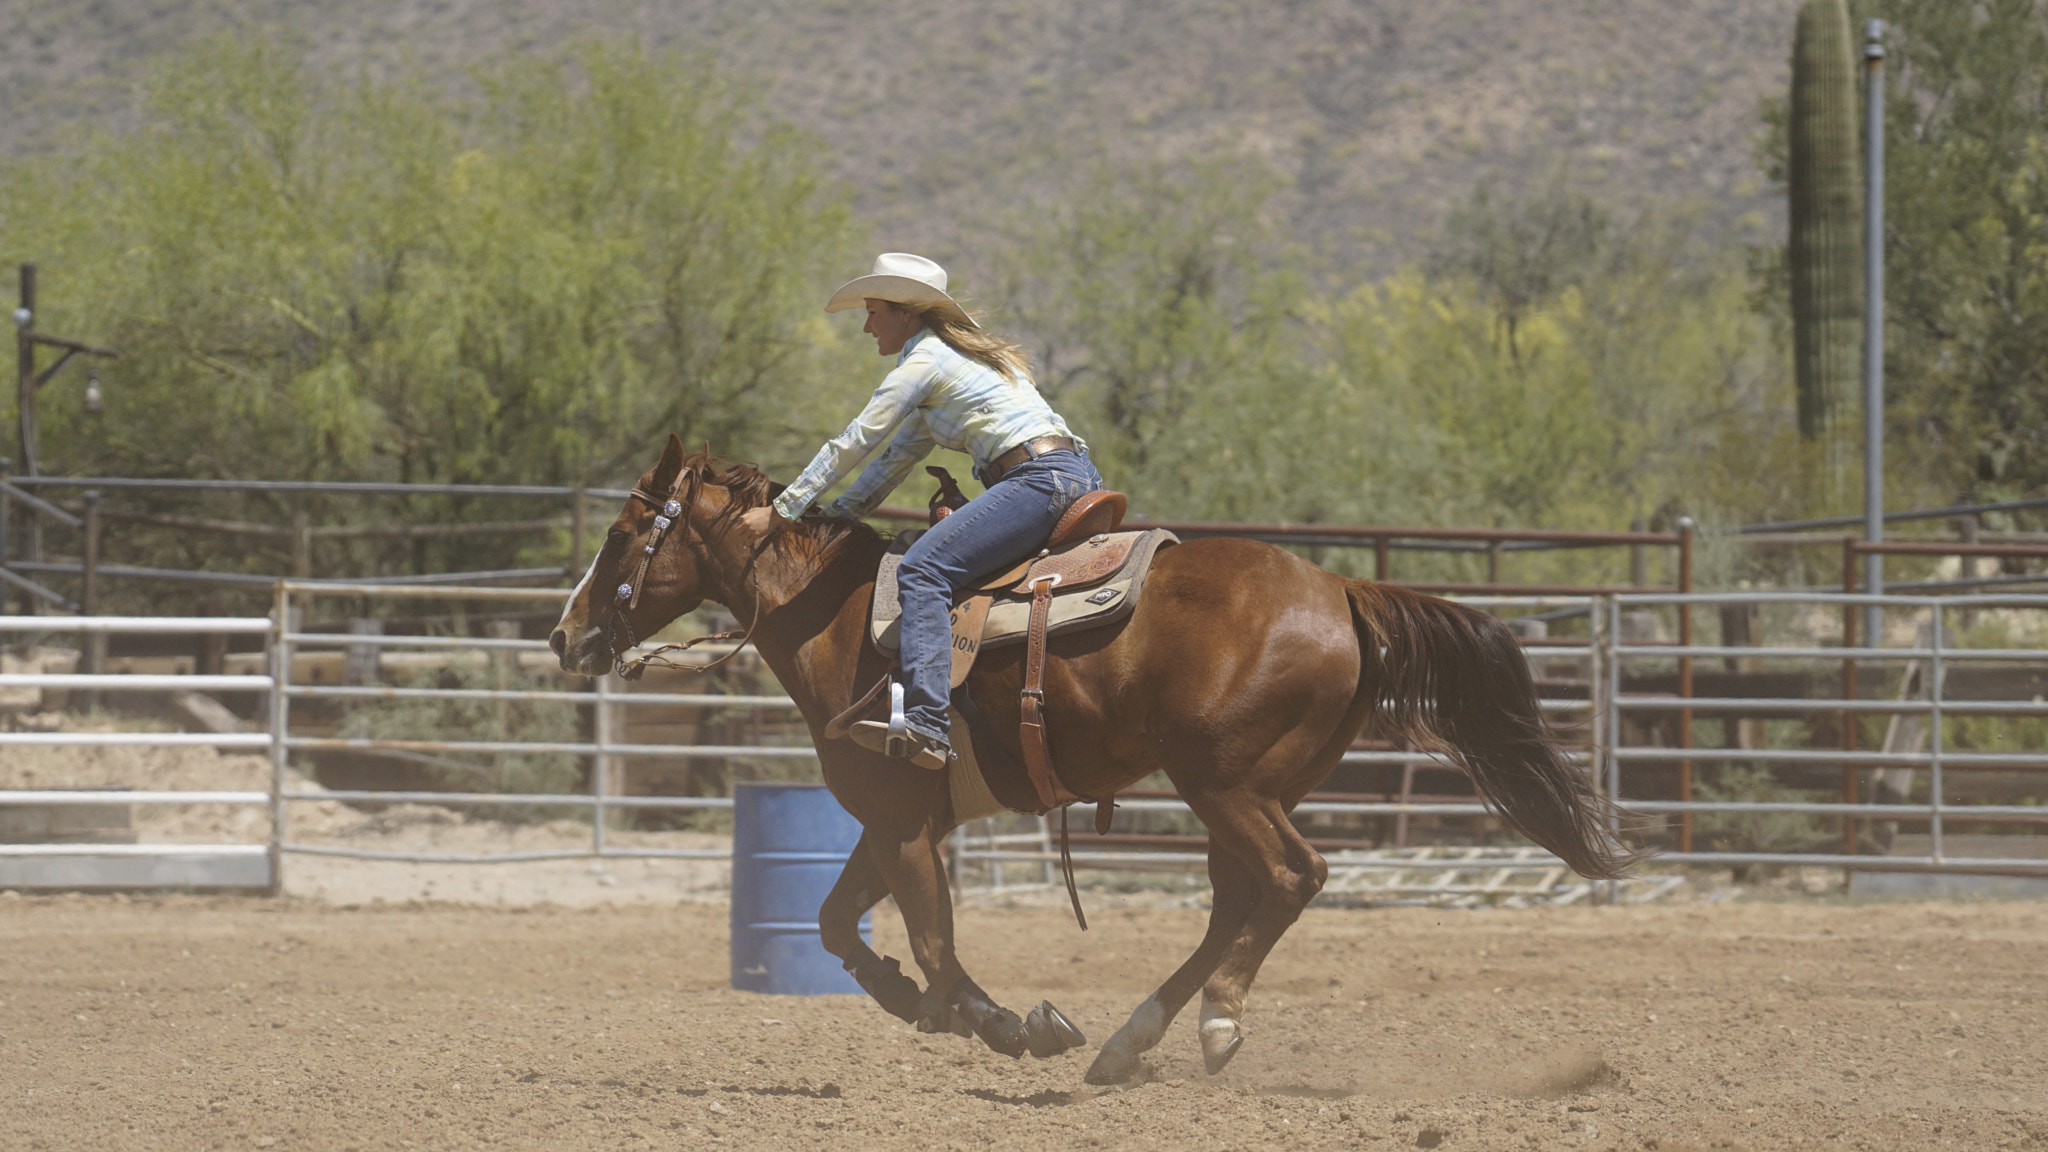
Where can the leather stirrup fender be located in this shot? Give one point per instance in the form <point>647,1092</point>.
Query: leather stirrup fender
<point>840,725</point>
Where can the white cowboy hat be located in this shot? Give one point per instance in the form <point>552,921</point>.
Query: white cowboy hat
<point>901,278</point>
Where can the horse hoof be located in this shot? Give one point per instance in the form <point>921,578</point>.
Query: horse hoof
<point>1049,1032</point>
<point>1113,1065</point>
<point>1220,1041</point>
<point>1214,1061</point>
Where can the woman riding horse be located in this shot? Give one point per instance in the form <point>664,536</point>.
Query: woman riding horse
<point>958,386</point>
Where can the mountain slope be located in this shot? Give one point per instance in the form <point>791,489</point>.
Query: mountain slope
<point>1377,113</point>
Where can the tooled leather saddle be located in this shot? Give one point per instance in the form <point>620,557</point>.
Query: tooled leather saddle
<point>1088,575</point>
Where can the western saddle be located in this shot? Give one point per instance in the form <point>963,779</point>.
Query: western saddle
<point>1084,551</point>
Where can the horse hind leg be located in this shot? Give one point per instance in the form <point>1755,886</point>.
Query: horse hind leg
<point>1287,874</point>
<point>1230,905</point>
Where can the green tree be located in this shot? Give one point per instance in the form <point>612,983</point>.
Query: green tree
<point>1150,295</point>
<point>1557,367</point>
<point>321,277</point>
<point>1966,277</point>
<point>1966,149</point>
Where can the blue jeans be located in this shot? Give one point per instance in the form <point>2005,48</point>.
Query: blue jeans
<point>995,530</point>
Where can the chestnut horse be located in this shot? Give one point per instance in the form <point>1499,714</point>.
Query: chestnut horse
<point>1243,674</point>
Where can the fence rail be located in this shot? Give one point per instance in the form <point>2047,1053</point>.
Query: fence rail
<point>1610,662</point>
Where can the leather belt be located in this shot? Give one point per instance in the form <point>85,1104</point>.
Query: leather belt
<point>1028,450</point>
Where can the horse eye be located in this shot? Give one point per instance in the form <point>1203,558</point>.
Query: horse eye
<point>617,536</point>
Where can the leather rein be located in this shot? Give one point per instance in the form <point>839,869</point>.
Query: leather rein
<point>668,511</point>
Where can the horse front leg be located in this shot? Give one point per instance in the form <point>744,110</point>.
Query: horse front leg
<point>952,1001</point>
<point>860,887</point>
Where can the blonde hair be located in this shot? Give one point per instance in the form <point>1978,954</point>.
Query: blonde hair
<point>977,344</point>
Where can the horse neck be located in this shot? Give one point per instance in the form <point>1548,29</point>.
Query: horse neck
<point>805,621</point>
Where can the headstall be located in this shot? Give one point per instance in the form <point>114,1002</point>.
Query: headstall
<point>668,511</point>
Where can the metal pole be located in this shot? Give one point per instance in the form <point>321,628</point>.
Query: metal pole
<point>89,567</point>
<point>1614,685</point>
<point>6,522</point>
<point>1935,673</point>
<point>1685,531</point>
<point>1611,637</point>
<point>600,769</point>
<point>25,368</point>
<point>280,726</point>
<point>1849,689</point>
<point>25,402</point>
<point>1873,323</point>
<point>89,595</point>
<point>1596,696</point>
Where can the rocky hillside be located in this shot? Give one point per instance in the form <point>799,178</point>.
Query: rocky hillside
<point>1377,113</point>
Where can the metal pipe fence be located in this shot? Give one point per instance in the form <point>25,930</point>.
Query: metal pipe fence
<point>1618,717</point>
<point>279,740</point>
<point>1490,543</point>
<point>1611,659</point>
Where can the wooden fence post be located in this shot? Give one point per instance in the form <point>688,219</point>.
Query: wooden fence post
<point>579,520</point>
<point>302,545</point>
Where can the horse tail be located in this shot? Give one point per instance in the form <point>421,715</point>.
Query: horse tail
<point>1454,681</point>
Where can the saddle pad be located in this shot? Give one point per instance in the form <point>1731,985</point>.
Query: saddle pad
<point>1087,606</point>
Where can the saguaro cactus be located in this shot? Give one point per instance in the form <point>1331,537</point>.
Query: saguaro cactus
<point>1826,249</point>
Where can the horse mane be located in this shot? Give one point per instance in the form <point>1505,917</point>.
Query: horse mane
<point>749,487</point>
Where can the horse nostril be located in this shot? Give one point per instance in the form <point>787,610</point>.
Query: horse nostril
<point>559,641</point>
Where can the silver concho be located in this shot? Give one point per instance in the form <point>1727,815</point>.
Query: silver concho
<point>672,509</point>
<point>649,549</point>
<point>662,523</point>
<point>625,591</point>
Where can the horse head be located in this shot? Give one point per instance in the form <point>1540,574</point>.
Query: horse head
<point>652,567</point>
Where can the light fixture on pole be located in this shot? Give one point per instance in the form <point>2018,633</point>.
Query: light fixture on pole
<point>28,381</point>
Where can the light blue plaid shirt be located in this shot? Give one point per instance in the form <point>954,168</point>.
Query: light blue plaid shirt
<point>938,397</point>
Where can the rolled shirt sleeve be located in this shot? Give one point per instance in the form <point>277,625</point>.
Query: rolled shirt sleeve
<point>896,400</point>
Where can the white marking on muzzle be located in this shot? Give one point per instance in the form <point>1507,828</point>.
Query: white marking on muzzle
<point>578,591</point>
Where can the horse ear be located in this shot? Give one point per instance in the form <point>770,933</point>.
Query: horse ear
<point>671,465</point>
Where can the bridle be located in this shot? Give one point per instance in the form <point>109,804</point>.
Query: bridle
<point>668,511</point>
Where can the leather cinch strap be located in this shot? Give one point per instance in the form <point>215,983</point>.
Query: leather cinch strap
<point>1031,734</point>
<point>1031,729</point>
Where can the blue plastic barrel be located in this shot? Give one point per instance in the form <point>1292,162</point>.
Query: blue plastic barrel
<point>789,844</point>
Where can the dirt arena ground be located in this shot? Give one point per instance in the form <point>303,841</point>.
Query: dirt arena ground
<point>224,1023</point>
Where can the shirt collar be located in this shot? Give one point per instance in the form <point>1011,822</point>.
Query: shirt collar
<point>910,345</point>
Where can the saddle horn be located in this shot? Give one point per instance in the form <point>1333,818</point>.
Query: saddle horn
<point>948,499</point>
